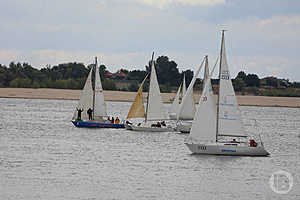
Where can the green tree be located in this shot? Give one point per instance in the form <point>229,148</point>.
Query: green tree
<point>109,85</point>
<point>272,81</point>
<point>252,80</point>
<point>242,75</point>
<point>20,83</point>
<point>133,87</point>
<point>167,71</point>
<point>188,76</point>
<point>239,84</point>
<point>103,71</point>
<point>137,75</point>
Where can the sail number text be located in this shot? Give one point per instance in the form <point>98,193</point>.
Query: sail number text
<point>201,147</point>
<point>225,75</point>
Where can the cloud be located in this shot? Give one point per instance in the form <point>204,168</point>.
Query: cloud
<point>123,33</point>
<point>164,3</point>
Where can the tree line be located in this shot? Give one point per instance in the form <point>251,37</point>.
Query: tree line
<point>73,76</point>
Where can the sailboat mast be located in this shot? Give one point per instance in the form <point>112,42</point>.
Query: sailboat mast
<point>183,86</point>
<point>94,88</point>
<point>218,102</point>
<point>149,86</point>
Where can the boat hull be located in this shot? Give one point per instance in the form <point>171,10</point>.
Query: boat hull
<point>173,116</point>
<point>95,124</point>
<point>128,126</point>
<point>184,127</point>
<point>149,129</point>
<point>225,149</point>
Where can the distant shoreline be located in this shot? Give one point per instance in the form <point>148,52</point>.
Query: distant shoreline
<point>65,94</point>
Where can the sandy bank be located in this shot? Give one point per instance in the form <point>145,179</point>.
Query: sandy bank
<point>44,93</point>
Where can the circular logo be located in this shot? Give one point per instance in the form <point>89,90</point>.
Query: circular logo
<point>281,182</point>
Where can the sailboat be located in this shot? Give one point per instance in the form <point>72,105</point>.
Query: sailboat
<point>217,128</point>
<point>175,105</point>
<point>137,109</point>
<point>93,99</point>
<point>184,126</point>
<point>154,116</point>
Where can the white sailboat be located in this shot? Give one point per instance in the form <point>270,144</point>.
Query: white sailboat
<point>93,99</point>
<point>214,124</point>
<point>154,111</point>
<point>187,107</point>
<point>173,111</point>
<point>184,126</point>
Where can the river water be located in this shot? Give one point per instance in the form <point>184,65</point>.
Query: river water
<point>43,156</point>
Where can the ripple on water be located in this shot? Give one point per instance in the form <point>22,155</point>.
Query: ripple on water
<point>42,156</point>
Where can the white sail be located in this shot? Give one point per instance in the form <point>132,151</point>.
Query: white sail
<point>100,106</point>
<point>204,124</point>
<point>183,86</point>
<point>86,98</point>
<point>175,105</point>
<point>229,114</point>
<point>206,72</point>
<point>155,107</point>
<point>187,107</point>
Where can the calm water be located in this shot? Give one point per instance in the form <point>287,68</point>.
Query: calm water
<point>42,156</point>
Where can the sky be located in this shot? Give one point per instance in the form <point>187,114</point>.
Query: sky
<point>262,37</point>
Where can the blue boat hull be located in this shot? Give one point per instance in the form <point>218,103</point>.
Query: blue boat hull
<point>95,124</point>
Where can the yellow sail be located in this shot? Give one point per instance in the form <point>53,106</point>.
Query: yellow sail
<point>137,109</point>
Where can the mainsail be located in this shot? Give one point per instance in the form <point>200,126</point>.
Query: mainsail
<point>137,109</point>
<point>187,107</point>
<point>206,72</point>
<point>155,107</point>
<point>175,105</point>
<point>86,98</point>
<point>99,103</point>
<point>183,86</point>
<point>229,117</point>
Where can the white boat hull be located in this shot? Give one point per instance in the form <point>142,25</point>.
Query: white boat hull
<point>128,126</point>
<point>227,149</point>
<point>149,128</point>
<point>173,116</point>
<point>184,127</point>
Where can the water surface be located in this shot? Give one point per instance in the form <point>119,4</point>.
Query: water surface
<point>43,156</point>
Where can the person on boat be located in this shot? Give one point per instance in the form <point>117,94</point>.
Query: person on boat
<point>163,123</point>
<point>158,124</point>
<point>117,121</point>
<point>79,111</point>
<point>253,143</point>
<point>112,120</point>
<point>89,112</point>
<point>234,141</point>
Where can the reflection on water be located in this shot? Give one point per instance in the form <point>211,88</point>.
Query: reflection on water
<point>43,156</point>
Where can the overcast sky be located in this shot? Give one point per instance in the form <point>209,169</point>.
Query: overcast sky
<point>263,36</point>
